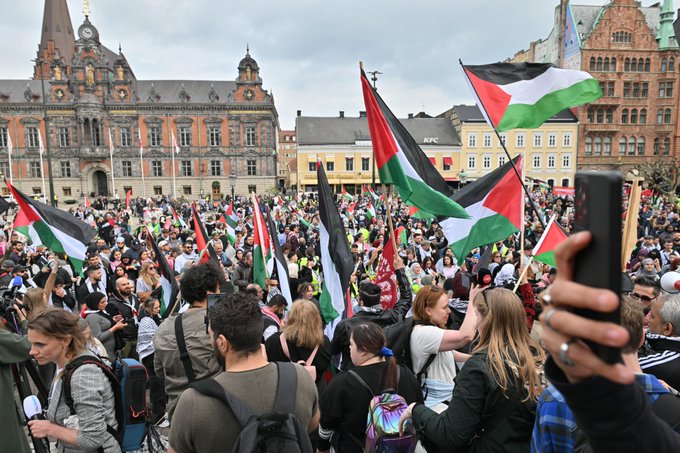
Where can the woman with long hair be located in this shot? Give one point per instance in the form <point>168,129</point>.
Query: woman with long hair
<point>115,259</point>
<point>344,404</point>
<point>493,405</point>
<point>148,281</point>
<point>149,320</point>
<point>56,337</point>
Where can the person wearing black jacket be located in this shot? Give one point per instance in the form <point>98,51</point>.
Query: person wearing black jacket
<point>371,310</point>
<point>126,303</point>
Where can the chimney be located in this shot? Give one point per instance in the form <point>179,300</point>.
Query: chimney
<point>362,114</point>
<point>410,116</point>
<point>299,113</point>
<point>342,113</point>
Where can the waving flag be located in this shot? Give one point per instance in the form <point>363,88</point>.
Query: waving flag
<point>205,250</point>
<point>280,263</point>
<point>370,212</point>
<point>231,220</point>
<point>525,95</point>
<point>386,277</point>
<point>262,252</point>
<point>347,196</point>
<point>168,291</point>
<point>401,162</point>
<point>553,236</point>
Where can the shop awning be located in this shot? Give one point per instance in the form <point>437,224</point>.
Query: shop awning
<point>448,161</point>
<point>433,160</point>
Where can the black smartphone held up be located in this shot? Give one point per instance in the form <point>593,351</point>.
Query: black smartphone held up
<point>598,208</point>
<point>212,299</point>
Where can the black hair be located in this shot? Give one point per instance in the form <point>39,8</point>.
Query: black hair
<point>649,282</point>
<point>239,320</point>
<point>277,300</point>
<point>197,281</point>
<point>369,337</point>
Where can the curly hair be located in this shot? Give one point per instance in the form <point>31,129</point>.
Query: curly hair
<point>197,281</point>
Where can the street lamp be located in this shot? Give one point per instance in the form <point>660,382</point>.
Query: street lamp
<point>463,177</point>
<point>232,183</point>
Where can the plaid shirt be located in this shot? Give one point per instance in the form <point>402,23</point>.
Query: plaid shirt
<point>555,423</point>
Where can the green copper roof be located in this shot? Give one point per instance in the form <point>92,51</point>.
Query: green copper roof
<point>666,34</point>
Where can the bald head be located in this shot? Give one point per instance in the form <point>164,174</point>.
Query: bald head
<point>124,286</point>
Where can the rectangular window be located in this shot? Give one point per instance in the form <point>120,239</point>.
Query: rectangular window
<point>537,161</point>
<point>665,89</point>
<point>214,136</point>
<point>566,139</point>
<point>538,139</point>
<point>186,168</point>
<point>487,140</point>
<point>125,136</point>
<point>486,161</point>
<point>185,136</point>
<point>566,160</point>
<point>65,169</point>
<point>127,168</point>
<point>502,160</point>
<point>552,139</point>
<point>645,90</point>
<point>3,137</point>
<point>519,140</point>
<point>157,168</point>
<point>330,166</point>
<point>186,190</point>
<point>34,170</point>
<point>349,164</point>
<point>215,168</point>
<point>610,88</point>
<point>155,136</point>
<point>311,167</point>
<point>64,137</point>
<point>251,167</point>
<point>365,163</point>
<point>31,137</point>
<point>504,138</point>
<point>471,162</point>
<point>157,190</point>
<point>251,136</point>
<point>252,189</point>
<point>67,191</point>
<point>626,89</point>
<point>551,160</point>
<point>636,89</point>
<point>472,140</point>
<point>4,168</point>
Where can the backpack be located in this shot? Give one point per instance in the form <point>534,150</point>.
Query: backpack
<point>306,364</point>
<point>279,431</point>
<point>382,423</point>
<point>128,380</point>
<point>398,339</point>
<point>666,407</point>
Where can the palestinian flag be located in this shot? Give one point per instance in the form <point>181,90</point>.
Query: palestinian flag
<point>370,212</point>
<point>178,220</point>
<point>279,262</point>
<point>57,230</point>
<point>301,220</point>
<point>402,235</point>
<point>494,204</point>
<point>347,196</point>
<point>168,291</point>
<point>553,236</point>
<point>401,162</point>
<point>368,192</point>
<point>336,258</point>
<point>525,95</point>
<point>4,205</point>
<point>205,250</point>
<point>351,207</point>
<point>231,220</point>
<point>419,214</point>
<point>262,252</point>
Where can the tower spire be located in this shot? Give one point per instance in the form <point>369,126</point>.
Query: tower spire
<point>666,34</point>
<point>86,8</point>
<point>57,28</point>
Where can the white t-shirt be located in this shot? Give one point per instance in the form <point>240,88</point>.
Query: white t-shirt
<point>425,340</point>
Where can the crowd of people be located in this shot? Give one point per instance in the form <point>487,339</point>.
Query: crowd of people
<point>481,326</point>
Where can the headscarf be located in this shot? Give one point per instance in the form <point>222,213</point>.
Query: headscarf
<point>506,273</point>
<point>645,273</point>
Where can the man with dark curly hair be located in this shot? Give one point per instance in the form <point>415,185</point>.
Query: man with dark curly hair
<point>198,281</point>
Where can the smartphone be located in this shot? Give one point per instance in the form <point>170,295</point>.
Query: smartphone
<point>212,298</point>
<point>598,209</point>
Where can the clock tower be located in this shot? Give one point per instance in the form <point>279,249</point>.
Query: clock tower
<point>249,83</point>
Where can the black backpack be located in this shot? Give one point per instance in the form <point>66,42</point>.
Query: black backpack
<point>279,431</point>
<point>398,339</point>
<point>666,407</point>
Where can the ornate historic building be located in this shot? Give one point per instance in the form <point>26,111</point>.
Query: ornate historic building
<point>97,108</point>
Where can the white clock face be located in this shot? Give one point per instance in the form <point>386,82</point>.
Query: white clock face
<point>87,32</point>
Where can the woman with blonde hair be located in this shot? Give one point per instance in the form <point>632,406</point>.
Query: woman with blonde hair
<point>493,405</point>
<point>433,346</point>
<point>148,281</point>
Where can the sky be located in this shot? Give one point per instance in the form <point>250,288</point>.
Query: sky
<point>308,50</point>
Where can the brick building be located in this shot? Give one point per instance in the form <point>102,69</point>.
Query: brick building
<point>632,50</point>
<point>96,106</point>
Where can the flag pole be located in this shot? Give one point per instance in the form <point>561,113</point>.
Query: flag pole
<point>9,156</point>
<point>113,178</point>
<point>174,147</point>
<point>41,151</point>
<point>389,218</point>
<point>141,164</point>
<point>521,215</point>
<point>521,276</point>
<point>500,140</point>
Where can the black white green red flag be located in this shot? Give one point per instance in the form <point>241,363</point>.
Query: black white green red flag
<point>401,162</point>
<point>262,250</point>
<point>525,95</point>
<point>336,258</point>
<point>553,236</point>
<point>279,261</point>
<point>57,230</point>
<point>169,289</point>
<point>494,204</point>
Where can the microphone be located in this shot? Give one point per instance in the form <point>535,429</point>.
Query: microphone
<point>17,282</point>
<point>33,411</point>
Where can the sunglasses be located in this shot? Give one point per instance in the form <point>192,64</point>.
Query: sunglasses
<point>640,297</point>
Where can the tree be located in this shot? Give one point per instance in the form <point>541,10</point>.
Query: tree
<point>662,176</point>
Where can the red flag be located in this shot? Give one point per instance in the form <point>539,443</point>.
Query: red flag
<point>87,202</point>
<point>127,199</point>
<point>386,278</point>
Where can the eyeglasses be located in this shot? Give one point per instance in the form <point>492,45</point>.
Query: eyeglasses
<point>640,297</point>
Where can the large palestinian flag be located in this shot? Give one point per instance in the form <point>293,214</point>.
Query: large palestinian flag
<point>494,204</point>
<point>553,236</point>
<point>525,95</point>
<point>57,230</point>
<point>262,252</point>
<point>401,162</point>
<point>169,289</point>
<point>336,258</point>
<point>203,246</point>
<point>279,261</point>
<point>231,219</point>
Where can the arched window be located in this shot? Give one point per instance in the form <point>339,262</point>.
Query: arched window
<point>606,64</point>
<point>589,146</point>
<point>609,119</point>
<point>633,65</point>
<point>667,116</point>
<point>643,116</point>
<point>599,63</point>
<point>624,116</point>
<point>622,146</point>
<point>664,64</point>
<point>631,146</point>
<point>647,64</point>
<point>656,146</point>
<point>659,116</point>
<point>600,116</point>
<point>613,64</point>
<point>592,63</point>
<point>666,146</point>
<point>591,115</point>
<point>671,64</point>
<point>626,64</point>
<point>633,116</point>
<point>598,146</point>
<point>607,148</point>
<point>641,146</point>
